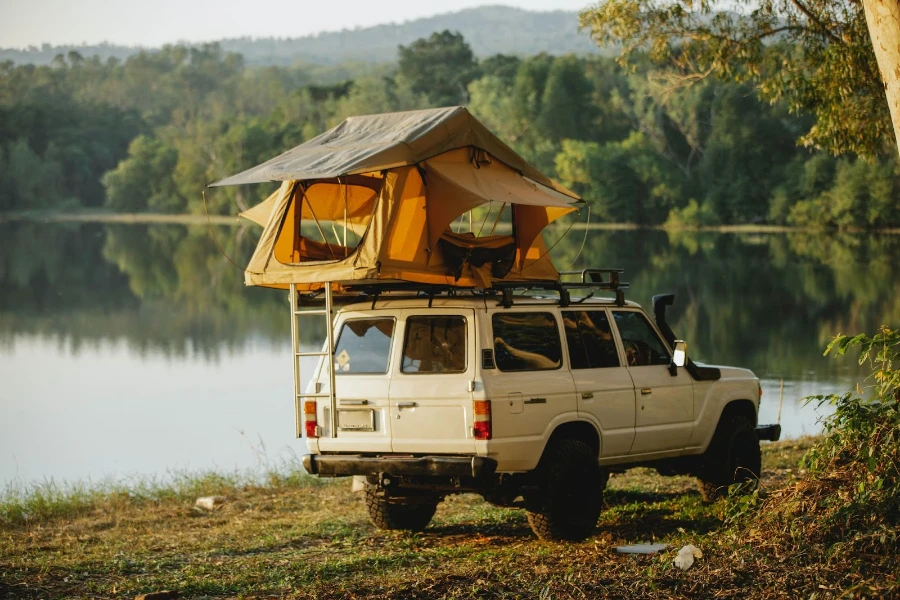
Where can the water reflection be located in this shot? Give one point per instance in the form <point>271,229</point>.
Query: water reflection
<point>137,348</point>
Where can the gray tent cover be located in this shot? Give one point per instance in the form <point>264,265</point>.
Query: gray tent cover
<point>374,143</point>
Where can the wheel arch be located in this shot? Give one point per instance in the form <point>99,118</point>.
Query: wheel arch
<point>742,408</point>
<point>577,430</point>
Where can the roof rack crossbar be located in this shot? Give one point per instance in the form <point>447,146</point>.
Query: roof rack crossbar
<point>588,279</point>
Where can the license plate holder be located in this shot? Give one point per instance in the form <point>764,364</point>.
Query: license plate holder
<point>356,420</point>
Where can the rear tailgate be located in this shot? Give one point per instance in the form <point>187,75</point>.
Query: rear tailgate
<point>430,397</point>
<point>363,348</point>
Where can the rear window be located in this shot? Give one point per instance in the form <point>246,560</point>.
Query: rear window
<point>364,346</point>
<point>526,341</point>
<point>590,340</point>
<point>434,345</point>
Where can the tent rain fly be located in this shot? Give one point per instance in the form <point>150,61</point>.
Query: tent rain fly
<point>373,199</point>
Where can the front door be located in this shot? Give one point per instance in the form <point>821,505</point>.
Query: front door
<point>664,404</point>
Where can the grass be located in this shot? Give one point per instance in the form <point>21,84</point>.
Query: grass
<point>290,535</point>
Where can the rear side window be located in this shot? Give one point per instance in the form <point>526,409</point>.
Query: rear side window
<point>590,340</point>
<point>434,345</point>
<point>364,346</point>
<point>526,341</point>
<point>642,346</point>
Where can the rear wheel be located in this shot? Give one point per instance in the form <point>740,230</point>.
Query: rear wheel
<point>733,456</point>
<point>397,514</point>
<point>569,494</point>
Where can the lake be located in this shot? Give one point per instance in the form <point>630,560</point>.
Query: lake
<point>136,349</point>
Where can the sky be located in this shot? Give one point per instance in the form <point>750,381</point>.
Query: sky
<point>154,23</point>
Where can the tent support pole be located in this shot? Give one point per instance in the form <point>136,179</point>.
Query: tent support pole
<point>319,227</point>
<point>345,219</point>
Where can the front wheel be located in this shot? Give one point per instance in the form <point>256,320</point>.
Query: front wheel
<point>399,515</point>
<point>733,456</point>
<point>569,492</point>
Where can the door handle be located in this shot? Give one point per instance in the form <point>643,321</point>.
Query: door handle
<point>354,402</point>
<point>587,395</point>
<point>536,401</point>
<point>407,404</point>
<point>645,391</point>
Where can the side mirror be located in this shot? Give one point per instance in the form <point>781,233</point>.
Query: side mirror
<point>679,357</point>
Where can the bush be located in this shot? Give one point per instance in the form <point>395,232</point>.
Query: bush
<point>849,498</point>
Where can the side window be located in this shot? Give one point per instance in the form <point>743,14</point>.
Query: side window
<point>642,346</point>
<point>590,340</point>
<point>364,346</point>
<point>434,345</point>
<point>526,341</point>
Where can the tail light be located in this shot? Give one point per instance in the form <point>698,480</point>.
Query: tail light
<point>309,419</point>
<point>482,419</point>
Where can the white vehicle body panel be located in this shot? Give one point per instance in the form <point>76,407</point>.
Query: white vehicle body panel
<point>432,413</point>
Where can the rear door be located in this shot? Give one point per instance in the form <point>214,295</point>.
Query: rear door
<point>430,397</point>
<point>604,388</point>
<point>531,378</point>
<point>362,367</point>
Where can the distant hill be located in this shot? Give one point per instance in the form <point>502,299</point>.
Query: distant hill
<point>488,29</point>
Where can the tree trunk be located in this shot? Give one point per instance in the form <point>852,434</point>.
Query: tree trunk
<point>883,20</point>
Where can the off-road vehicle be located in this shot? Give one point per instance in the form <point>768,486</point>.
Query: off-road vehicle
<point>530,397</point>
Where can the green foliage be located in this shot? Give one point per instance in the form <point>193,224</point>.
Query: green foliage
<point>149,133</point>
<point>625,181</point>
<point>815,55</point>
<point>692,215</point>
<point>144,179</point>
<point>862,194</point>
<point>439,67</point>
<point>849,500</point>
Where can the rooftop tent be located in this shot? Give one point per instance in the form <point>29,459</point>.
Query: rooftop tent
<point>373,200</point>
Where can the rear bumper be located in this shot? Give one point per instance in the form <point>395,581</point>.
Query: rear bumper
<point>771,433</point>
<point>336,465</point>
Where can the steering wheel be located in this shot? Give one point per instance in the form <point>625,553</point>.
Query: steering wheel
<point>632,353</point>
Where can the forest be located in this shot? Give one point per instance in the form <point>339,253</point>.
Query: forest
<point>145,134</point>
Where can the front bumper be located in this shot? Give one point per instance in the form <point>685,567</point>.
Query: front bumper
<point>337,465</point>
<point>771,433</point>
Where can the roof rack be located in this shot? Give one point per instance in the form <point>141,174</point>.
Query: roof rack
<point>590,279</point>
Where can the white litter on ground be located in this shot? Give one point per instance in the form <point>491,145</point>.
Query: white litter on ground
<point>641,548</point>
<point>210,502</point>
<point>686,557</point>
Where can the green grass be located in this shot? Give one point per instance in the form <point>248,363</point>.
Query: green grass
<point>285,534</point>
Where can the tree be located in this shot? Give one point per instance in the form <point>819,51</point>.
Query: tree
<point>143,181</point>
<point>883,18</point>
<point>814,54</point>
<point>439,67</point>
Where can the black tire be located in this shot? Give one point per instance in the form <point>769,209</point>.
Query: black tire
<point>733,456</point>
<point>398,515</point>
<point>569,492</point>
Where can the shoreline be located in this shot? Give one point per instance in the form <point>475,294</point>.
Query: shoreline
<point>100,216</point>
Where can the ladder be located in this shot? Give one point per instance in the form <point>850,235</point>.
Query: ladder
<point>328,354</point>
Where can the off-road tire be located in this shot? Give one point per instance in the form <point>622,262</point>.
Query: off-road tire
<point>733,456</point>
<point>398,515</point>
<point>569,492</point>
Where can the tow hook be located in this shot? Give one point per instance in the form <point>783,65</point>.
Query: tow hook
<point>771,433</point>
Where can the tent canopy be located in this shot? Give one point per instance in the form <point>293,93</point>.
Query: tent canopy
<point>374,198</point>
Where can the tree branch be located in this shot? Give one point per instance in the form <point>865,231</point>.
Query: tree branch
<point>809,15</point>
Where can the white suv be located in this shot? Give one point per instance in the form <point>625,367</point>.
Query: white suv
<point>529,401</point>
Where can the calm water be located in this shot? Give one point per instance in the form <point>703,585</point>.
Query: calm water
<point>136,349</point>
